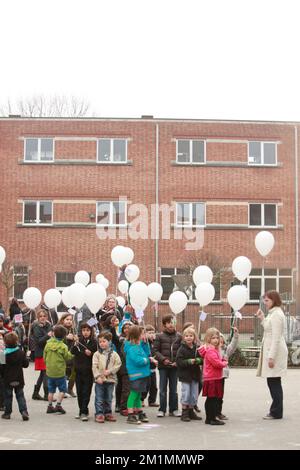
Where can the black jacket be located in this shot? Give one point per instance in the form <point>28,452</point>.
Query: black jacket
<point>40,336</point>
<point>165,347</point>
<point>82,362</point>
<point>13,369</point>
<point>187,372</point>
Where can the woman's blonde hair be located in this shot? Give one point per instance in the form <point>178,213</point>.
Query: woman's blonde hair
<point>210,333</point>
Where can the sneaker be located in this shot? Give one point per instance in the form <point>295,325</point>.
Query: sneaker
<point>268,416</point>
<point>176,413</point>
<point>59,410</point>
<point>50,409</point>
<point>84,417</point>
<point>72,394</point>
<point>110,418</point>
<point>156,405</point>
<point>160,414</point>
<point>133,419</point>
<point>99,419</point>
<point>222,417</point>
<point>143,417</point>
<point>25,415</point>
<point>214,422</point>
<point>78,416</point>
<point>5,416</point>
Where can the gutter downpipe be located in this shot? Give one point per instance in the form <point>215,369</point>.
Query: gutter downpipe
<point>297,221</point>
<point>156,215</point>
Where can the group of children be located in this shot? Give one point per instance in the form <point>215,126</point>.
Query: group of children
<point>125,356</point>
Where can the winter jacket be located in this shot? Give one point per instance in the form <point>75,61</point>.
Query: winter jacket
<point>273,345</point>
<point>16,360</point>
<point>166,346</point>
<point>137,360</point>
<point>109,360</point>
<point>228,350</point>
<point>82,362</point>
<point>213,363</point>
<point>40,336</point>
<point>186,371</point>
<point>56,355</point>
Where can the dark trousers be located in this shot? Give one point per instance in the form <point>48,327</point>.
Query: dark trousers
<point>122,391</point>
<point>84,385</point>
<point>211,408</point>
<point>42,380</point>
<point>220,400</point>
<point>168,375</point>
<point>8,399</point>
<point>274,384</point>
<point>151,389</point>
<point>1,389</point>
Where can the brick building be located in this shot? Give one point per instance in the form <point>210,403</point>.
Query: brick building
<point>226,180</point>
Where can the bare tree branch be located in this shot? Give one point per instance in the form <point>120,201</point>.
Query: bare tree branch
<point>40,106</point>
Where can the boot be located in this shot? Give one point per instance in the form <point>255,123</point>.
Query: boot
<point>35,395</point>
<point>185,415</point>
<point>45,394</point>
<point>193,415</point>
<point>70,388</point>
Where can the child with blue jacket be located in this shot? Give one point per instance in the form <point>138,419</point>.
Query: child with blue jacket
<point>138,366</point>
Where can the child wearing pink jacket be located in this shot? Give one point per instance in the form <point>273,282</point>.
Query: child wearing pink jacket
<point>212,375</point>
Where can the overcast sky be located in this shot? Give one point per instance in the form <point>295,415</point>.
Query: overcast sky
<point>205,59</point>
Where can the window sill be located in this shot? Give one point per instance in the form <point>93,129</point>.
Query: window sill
<point>72,225</point>
<point>225,164</point>
<point>75,162</point>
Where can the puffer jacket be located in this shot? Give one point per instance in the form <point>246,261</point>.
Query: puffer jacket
<point>166,346</point>
<point>56,355</point>
<point>186,371</point>
<point>16,360</point>
<point>213,363</point>
<point>137,360</point>
<point>40,336</point>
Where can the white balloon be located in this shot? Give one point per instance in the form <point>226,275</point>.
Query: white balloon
<point>32,297</point>
<point>99,277</point>
<point>132,273</point>
<point>104,282</point>
<point>155,291</point>
<point>140,307</point>
<point>202,274</point>
<point>237,297</point>
<point>241,267</point>
<point>121,301</point>
<point>129,255</point>
<point>77,294</point>
<point>264,242</point>
<point>121,255</point>
<point>66,297</point>
<point>123,286</point>
<point>138,292</point>
<point>177,301</point>
<point>52,298</point>
<point>2,255</point>
<point>95,296</point>
<point>204,293</point>
<point>82,277</point>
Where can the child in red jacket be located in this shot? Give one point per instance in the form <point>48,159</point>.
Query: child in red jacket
<point>212,374</point>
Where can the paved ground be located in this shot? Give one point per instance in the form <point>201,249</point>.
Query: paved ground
<point>246,401</point>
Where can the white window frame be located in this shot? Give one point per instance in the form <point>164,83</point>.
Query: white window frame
<point>111,160</point>
<point>262,209</point>
<point>37,213</point>
<point>262,153</point>
<point>263,278</point>
<point>110,222</point>
<point>39,139</point>
<point>20,275</point>
<point>189,225</point>
<point>190,162</point>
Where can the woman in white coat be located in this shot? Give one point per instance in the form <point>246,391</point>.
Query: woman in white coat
<point>272,362</point>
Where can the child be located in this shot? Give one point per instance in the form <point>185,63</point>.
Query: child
<point>13,377</point>
<point>84,348</point>
<point>191,325</point>
<point>165,348</point>
<point>56,355</point>
<point>188,369</point>
<point>106,364</point>
<point>152,386</point>
<point>226,352</point>
<point>138,367</point>
<point>67,321</point>
<point>212,374</point>
<point>41,331</point>
<point>2,362</point>
<point>123,387</point>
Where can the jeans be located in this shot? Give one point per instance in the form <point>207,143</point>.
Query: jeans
<point>8,398</point>
<point>189,393</point>
<point>274,384</point>
<point>103,398</point>
<point>165,375</point>
<point>84,384</point>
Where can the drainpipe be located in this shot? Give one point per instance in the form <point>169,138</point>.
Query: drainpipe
<point>156,215</point>
<point>297,221</point>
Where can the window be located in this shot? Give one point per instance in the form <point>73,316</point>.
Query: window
<point>20,281</point>
<point>190,151</point>
<point>190,214</point>
<point>37,212</point>
<point>262,153</point>
<point>262,215</point>
<point>63,280</point>
<point>169,285</point>
<point>260,281</point>
<point>111,213</point>
<point>112,150</point>
<point>37,150</point>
